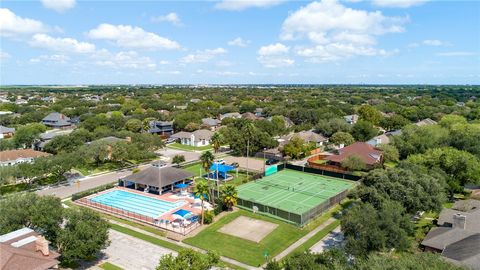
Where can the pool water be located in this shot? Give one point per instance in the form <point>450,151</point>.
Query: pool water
<point>136,203</point>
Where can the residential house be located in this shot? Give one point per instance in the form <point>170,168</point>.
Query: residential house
<point>12,157</point>
<point>251,116</point>
<point>24,249</point>
<point>259,112</point>
<point>197,138</point>
<point>351,119</point>
<point>57,120</point>
<point>307,135</point>
<point>6,132</point>
<point>369,154</point>
<point>234,115</point>
<point>458,236</point>
<point>47,136</point>
<point>211,123</point>
<point>164,128</point>
<point>380,139</point>
<point>288,122</point>
<point>426,122</point>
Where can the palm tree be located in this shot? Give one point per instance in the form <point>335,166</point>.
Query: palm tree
<point>201,190</point>
<point>229,195</point>
<point>207,159</point>
<point>216,141</point>
<point>146,123</point>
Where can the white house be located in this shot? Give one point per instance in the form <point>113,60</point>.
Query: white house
<point>197,138</point>
<point>12,157</point>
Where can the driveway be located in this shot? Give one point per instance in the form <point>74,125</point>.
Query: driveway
<point>132,253</point>
<point>331,240</point>
<point>169,153</point>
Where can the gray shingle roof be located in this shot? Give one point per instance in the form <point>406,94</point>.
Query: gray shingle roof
<point>158,176</point>
<point>4,129</point>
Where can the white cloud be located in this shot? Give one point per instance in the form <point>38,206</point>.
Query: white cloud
<point>132,37</point>
<point>435,42</point>
<point>12,25</point>
<point>338,32</point>
<point>239,5</point>
<point>67,45</point>
<point>58,5</point>
<point>224,63</point>
<point>239,42</point>
<point>171,17</point>
<point>4,55</point>
<point>398,3</point>
<point>274,55</point>
<point>456,53</point>
<point>54,58</point>
<point>123,60</point>
<point>203,55</point>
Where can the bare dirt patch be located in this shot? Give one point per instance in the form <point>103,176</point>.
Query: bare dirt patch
<point>253,163</point>
<point>248,228</point>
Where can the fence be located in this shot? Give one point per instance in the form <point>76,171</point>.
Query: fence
<point>184,230</point>
<point>323,172</point>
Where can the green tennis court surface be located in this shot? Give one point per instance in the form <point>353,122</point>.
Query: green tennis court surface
<point>292,191</point>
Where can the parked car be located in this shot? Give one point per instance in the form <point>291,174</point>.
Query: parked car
<point>271,161</point>
<point>219,161</point>
<point>170,140</point>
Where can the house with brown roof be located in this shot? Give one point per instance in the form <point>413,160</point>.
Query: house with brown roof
<point>306,135</point>
<point>6,132</point>
<point>370,155</point>
<point>426,122</point>
<point>12,157</point>
<point>24,249</point>
<point>458,236</point>
<point>197,138</point>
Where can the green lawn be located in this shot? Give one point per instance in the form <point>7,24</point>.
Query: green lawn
<point>109,266</point>
<point>249,252</point>
<point>189,147</point>
<point>423,226</point>
<point>90,169</point>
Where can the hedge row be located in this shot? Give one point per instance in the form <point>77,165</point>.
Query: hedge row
<point>91,191</point>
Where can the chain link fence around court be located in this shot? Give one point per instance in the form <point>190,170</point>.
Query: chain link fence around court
<point>303,218</point>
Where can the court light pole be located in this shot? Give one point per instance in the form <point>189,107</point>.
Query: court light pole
<point>264,162</point>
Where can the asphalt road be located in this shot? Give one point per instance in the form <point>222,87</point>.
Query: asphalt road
<point>86,183</point>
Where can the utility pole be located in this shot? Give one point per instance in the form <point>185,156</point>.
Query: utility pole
<point>248,145</point>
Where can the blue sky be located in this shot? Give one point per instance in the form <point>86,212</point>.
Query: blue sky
<point>256,41</point>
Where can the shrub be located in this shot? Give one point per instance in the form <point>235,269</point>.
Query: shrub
<point>87,192</point>
<point>208,217</point>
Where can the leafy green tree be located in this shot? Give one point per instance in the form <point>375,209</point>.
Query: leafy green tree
<point>84,234</point>
<point>26,135</point>
<point>201,190</point>
<point>415,189</point>
<point>407,261</point>
<point>394,122</point>
<point>64,143</point>
<point>466,137</point>
<point>247,106</point>
<point>461,166</point>
<point>207,159</point>
<point>189,259</point>
<point>134,125</point>
<point>354,163</point>
<point>242,133</point>
<point>448,121</point>
<point>390,152</point>
<point>302,261</point>
<point>295,148</point>
<point>364,131</point>
<point>177,159</point>
<point>369,114</point>
<point>229,195</point>
<point>182,119</point>
<point>415,139</point>
<point>332,126</point>
<point>41,213</point>
<point>342,138</point>
<point>367,229</point>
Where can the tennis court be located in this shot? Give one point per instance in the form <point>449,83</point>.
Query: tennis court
<point>292,195</point>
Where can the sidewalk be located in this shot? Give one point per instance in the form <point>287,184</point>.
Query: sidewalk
<point>303,239</point>
<point>225,259</point>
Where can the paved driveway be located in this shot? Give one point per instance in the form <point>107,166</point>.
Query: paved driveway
<point>132,253</point>
<point>331,240</point>
<point>170,153</point>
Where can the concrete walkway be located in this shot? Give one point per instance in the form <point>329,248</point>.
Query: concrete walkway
<point>333,239</point>
<point>225,259</point>
<point>303,239</point>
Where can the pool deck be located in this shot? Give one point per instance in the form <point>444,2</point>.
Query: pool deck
<point>167,216</point>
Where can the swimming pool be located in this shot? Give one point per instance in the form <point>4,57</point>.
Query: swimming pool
<point>136,203</point>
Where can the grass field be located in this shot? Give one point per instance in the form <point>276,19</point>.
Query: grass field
<point>292,191</point>
<point>109,266</point>
<point>189,147</point>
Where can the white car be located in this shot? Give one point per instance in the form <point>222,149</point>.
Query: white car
<point>219,161</point>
